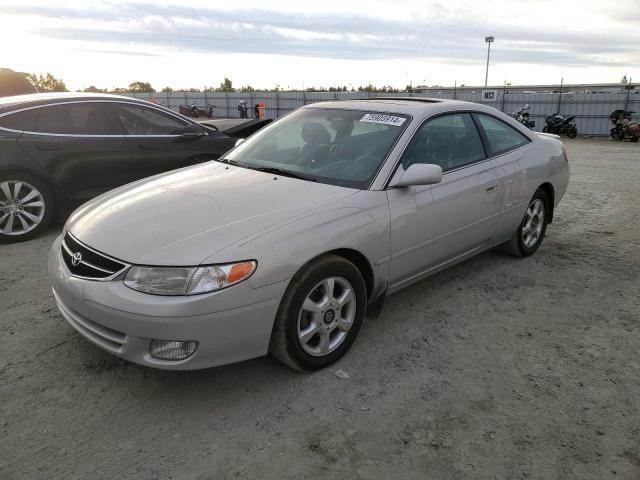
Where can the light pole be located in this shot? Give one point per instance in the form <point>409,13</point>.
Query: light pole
<point>489,41</point>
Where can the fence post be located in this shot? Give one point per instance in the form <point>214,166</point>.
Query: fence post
<point>277,104</point>
<point>560,96</point>
<point>504,91</point>
<point>226,103</point>
<point>206,107</point>
<point>626,103</point>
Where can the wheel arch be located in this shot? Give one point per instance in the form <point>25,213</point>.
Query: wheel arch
<point>547,188</point>
<point>53,188</point>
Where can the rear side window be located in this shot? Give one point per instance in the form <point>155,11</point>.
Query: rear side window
<point>76,119</point>
<point>146,121</point>
<point>22,121</point>
<point>501,137</point>
<point>451,141</point>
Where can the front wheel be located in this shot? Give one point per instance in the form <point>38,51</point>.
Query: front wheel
<point>320,314</point>
<point>26,207</point>
<point>545,129</point>
<point>572,132</point>
<point>528,237</point>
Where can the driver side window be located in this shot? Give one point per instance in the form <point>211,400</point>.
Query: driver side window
<point>138,120</point>
<point>451,141</point>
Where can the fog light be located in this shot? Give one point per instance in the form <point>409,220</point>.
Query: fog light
<point>172,349</point>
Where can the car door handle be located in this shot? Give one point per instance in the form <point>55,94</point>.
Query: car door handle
<point>491,188</point>
<point>48,148</point>
<point>147,147</point>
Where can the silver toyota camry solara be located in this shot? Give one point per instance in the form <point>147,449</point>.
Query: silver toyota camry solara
<point>286,243</point>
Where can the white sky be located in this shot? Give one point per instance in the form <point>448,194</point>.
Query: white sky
<point>300,43</point>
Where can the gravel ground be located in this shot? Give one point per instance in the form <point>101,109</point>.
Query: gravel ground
<point>498,368</point>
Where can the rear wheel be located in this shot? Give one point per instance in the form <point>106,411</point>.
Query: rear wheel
<point>572,132</point>
<point>529,235</point>
<point>320,314</point>
<point>635,139</point>
<point>621,134</point>
<point>26,207</point>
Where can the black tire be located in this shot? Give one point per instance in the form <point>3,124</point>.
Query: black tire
<point>49,206</point>
<point>284,344</point>
<point>545,129</point>
<point>572,132</point>
<point>635,139</point>
<point>621,134</point>
<point>516,246</point>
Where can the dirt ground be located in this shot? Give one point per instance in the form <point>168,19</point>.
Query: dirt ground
<point>498,368</point>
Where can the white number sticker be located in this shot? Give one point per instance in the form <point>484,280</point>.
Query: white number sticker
<point>382,118</point>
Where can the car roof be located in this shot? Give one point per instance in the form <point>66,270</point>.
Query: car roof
<point>416,106</point>
<point>35,99</point>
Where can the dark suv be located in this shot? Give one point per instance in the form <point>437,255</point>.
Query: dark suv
<point>59,150</point>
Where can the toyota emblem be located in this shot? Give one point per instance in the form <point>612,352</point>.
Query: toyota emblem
<point>76,258</point>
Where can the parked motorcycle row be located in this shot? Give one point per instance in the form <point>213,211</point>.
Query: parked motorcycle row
<point>624,126</point>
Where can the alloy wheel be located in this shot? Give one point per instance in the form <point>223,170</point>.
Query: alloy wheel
<point>326,316</point>
<point>533,223</point>
<point>22,207</point>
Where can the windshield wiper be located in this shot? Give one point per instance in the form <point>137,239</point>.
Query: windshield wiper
<point>284,173</point>
<point>228,160</point>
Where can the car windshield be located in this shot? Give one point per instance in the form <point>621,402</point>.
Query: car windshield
<point>338,147</point>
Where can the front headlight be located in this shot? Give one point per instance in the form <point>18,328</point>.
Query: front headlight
<point>187,280</point>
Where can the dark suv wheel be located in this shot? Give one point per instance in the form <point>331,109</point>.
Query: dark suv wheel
<point>26,206</point>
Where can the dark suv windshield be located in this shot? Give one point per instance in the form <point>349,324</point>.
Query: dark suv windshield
<point>338,147</point>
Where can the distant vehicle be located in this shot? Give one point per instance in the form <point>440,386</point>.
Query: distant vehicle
<point>59,150</point>
<point>14,83</point>
<point>284,244</point>
<point>624,126</point>
<point>561,125</point>
<point>192,111</point>
<point>522,116</point>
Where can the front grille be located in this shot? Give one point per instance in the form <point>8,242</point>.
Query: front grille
<point>85,262</point>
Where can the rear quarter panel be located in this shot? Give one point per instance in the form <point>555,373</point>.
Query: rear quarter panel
<point>524,171</point>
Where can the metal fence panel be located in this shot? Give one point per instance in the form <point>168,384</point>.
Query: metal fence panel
<point>591,110</point>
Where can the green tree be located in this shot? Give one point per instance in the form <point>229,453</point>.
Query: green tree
<point>138,87</point>
<point>167,90</point>
<point>247,89</point>
<point>226,86</point>
<point>47,83</point>
<point>94,89</point>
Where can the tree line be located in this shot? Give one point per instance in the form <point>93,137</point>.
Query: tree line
<point>49,83</point>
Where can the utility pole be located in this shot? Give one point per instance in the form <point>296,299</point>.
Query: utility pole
<point>489,41</point>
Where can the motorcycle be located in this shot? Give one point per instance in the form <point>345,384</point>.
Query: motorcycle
<point>523,117</point>
<point>561,125</point>
<point>624,126</point>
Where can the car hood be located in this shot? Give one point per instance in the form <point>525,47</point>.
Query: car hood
<point>181,218</point>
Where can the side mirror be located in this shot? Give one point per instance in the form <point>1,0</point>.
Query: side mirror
<point>191,131</point>
<point>418,174</point>
<point>240,141</point>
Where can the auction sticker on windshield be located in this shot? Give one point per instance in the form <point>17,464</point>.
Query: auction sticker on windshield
<point>383,119</point>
